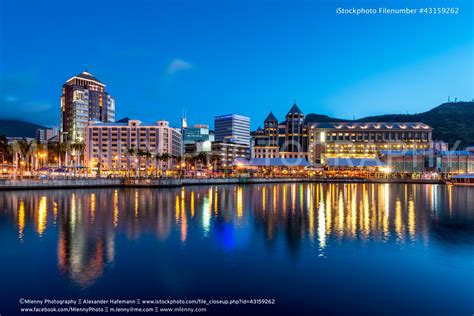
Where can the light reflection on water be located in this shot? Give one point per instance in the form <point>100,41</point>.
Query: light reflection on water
<point>318,217</point>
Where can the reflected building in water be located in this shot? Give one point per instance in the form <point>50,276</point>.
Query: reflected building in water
<point>88,222</point>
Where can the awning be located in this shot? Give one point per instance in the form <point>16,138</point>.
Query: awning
<point>464,176</point>
<point>354,162</point>
<point>272,162</point>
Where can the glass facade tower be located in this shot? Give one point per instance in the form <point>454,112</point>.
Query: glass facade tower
<point>232,128</point>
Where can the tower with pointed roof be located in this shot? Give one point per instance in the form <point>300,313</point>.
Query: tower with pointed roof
<point>84,99</point>
<point>295,140</point>
<point>265,141</point>
<point>271,129</point>
<point>287,139</point>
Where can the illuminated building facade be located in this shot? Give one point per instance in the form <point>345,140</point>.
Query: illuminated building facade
<point>232,139</point>
<point>300,137</point>
<point>287,139</point>
<point>228,152</point>
<point>129,144</point>
<point>197,133</point>
<point>232,128</point>
<point>445,162</point>
<point>365,139</point>
<point>43,135</point>
<point>84,99</point>
<point>293,137</point>
<point>265,141</point>
<point>197,138</point>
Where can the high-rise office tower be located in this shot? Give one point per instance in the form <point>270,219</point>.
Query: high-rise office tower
<point>84,99</point>
<point>232,128</point>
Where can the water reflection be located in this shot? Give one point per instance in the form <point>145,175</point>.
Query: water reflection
<point>87,222</point>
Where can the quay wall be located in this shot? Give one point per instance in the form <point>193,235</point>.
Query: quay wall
<point>58,183</point>
<point>32,184</point>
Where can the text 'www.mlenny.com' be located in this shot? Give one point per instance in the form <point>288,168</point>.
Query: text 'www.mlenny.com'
<point>132,305</point>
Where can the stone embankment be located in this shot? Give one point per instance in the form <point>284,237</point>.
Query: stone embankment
<point>32,184</point>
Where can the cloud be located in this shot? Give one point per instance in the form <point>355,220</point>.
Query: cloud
<point>11,98</point>
<point>178,65</point>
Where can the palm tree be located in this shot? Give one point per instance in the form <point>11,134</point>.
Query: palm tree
<point>56,150</point>
<point>25,147</point>
<point>132,152</point>
<point>176,159</point>
<point>202,157</point>
<point>188,159</point>
<point>214,159</point>
<point>4,147</point>
<point>157,157</point>
<point>63,149</point>
<point>78,149</point>
<point>147,156</point>
<point>40,156</point>
<point>141,153</point>
<point>165,157</point>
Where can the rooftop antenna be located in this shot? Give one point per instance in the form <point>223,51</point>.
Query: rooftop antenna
<point>184,124</point>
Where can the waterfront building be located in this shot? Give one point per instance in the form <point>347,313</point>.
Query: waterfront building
<point>197,139</point>
<point>463,179</point>
<point>293,138</point>
<point>265,141</point>
<point>43,135</point>
<point>197,133</point>
<point>84,99</point>
<point>198,147</point>
<point>440,145</point>
<point>232,128</point>
<point>364,139</point>
<point>446,162</point>
<point>131,145</point>
<point>228,152</point>
<point>287,139</point>
<point>305,137</point>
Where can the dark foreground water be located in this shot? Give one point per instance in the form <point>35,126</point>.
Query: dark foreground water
<point>329,249</point>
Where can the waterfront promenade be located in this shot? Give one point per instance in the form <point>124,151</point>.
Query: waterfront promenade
<point>28,184</point>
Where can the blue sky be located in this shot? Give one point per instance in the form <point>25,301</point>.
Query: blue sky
<point>230,56</point>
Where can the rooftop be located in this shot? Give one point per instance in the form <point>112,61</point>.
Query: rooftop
<point>371,125</point>
<point>127,122</point>
<point>271,118</point>
<point>295,110</point>
<point>232,116</point>
<point>87,76</point>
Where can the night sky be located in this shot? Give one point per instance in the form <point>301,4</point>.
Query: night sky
<point>247,57</point>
